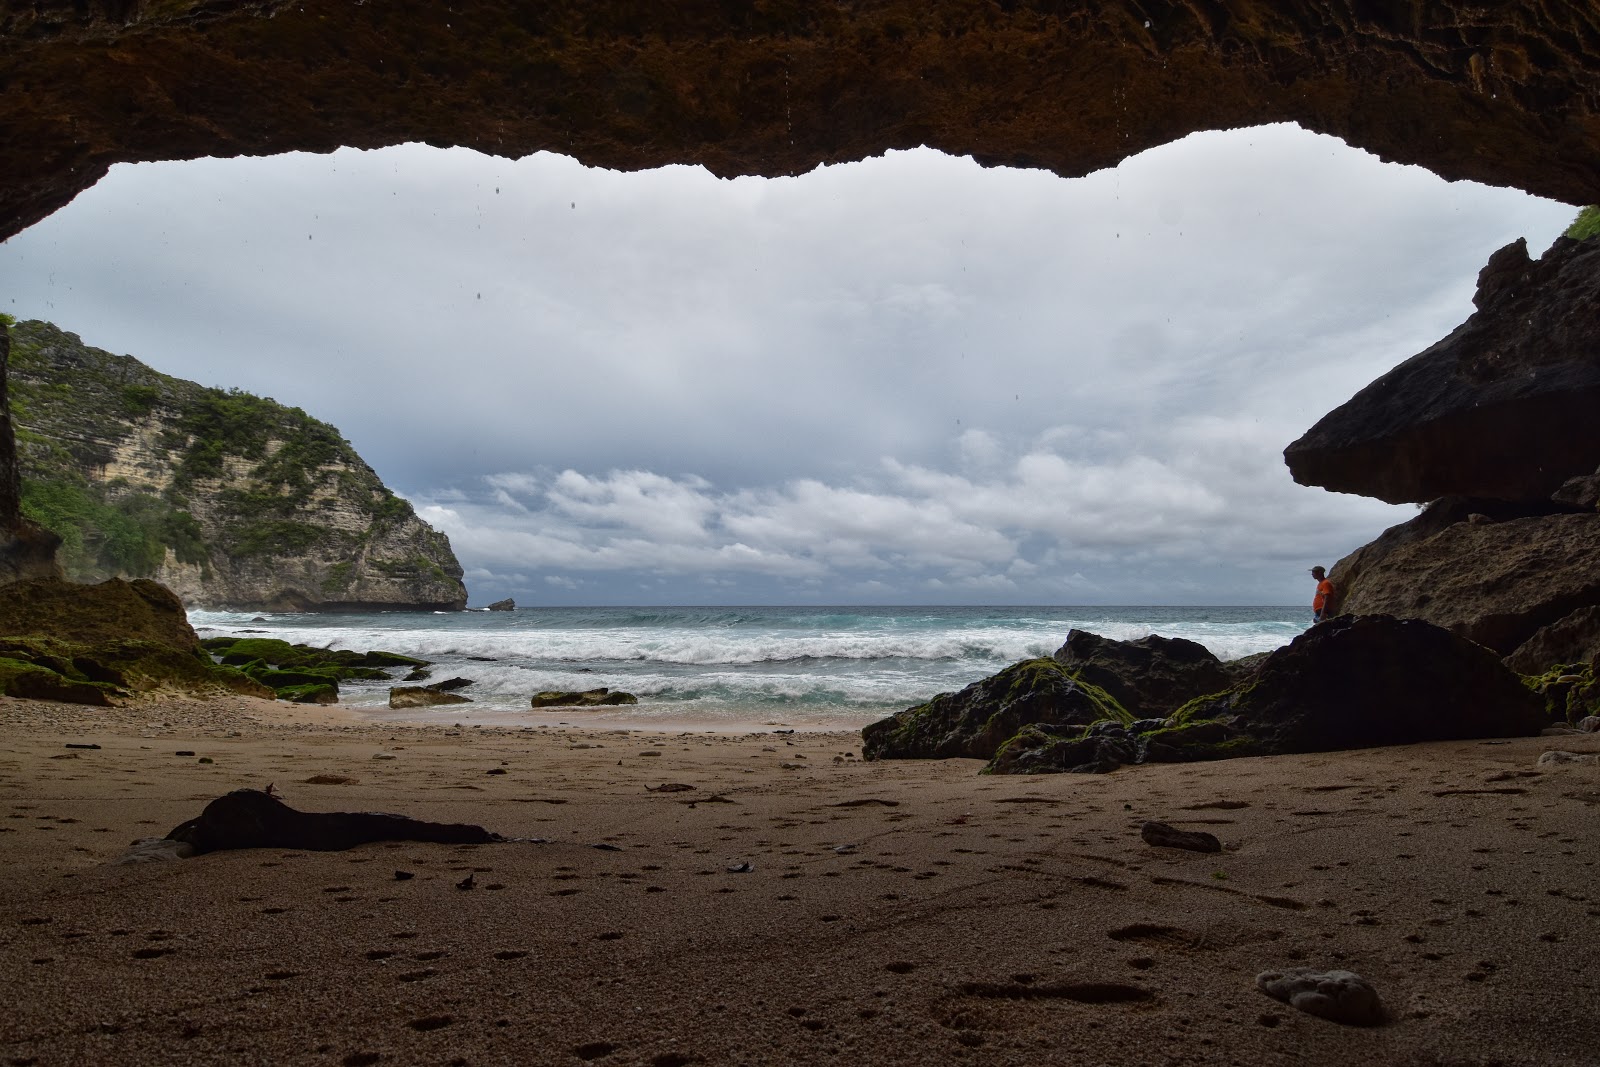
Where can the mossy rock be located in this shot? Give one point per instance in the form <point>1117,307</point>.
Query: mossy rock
<point>282,679</point>
<point>241,683</point>
<point>30,681</point>
<point>309,694</point>
<point>1569,691</point>
<point>1196,740</point>
<point>267,649</point>
<point>977,721</point>
<point>1039,749</point>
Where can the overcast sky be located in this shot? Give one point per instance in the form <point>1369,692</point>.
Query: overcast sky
<point>906,380</point>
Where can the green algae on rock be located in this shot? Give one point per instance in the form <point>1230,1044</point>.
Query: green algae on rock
<point>975,722</point>
<point>116,639</point>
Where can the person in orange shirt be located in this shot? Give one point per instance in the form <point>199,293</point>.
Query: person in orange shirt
<point>1322,603</point>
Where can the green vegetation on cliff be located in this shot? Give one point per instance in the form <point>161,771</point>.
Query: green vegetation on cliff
<point>1586,225</point>
<point>233,499</point>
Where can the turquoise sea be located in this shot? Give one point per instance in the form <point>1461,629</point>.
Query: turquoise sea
<point>721,668</point>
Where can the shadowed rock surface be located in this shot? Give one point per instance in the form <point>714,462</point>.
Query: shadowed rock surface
<point>1503,408</point>
<point>1501,93</point>
<point>251,818</point>
<point>1366,680</point>
<point>1151,676</point>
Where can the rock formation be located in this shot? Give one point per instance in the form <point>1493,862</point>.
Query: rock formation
<point>1495,425</point>
<point>1503,93</point>
<point>1502,408</point>
<point>1151,677</point>
<point>507,604</point>
<point>88,644</point>
<point>417,696</point>
<point>1507,93</point>
<point>1351,682</point>
<point>229,500</point>
<point>301,673</point>
<point>26,549</point>
<point>976,721</point>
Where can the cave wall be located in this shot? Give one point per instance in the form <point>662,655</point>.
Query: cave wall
<point>1504,93</point>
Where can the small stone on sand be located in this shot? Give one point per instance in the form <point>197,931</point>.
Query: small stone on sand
<point>1340,996</point>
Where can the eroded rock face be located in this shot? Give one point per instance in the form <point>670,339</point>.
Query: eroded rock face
<point>1496,583</point>
<point>1502,408</point>
<point>1502,93</point>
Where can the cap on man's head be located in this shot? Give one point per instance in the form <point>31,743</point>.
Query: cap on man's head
<point>1318,572</point>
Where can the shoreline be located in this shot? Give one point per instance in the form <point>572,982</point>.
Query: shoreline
<point>893,912</point>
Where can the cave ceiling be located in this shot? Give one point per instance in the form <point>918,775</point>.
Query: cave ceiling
<point>1504,92</point>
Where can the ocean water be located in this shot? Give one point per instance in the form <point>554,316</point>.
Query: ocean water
<point>807,667</point>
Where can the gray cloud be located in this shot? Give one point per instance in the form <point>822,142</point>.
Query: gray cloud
<point>904,379</point>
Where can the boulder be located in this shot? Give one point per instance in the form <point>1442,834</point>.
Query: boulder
<point>114,610</point>
<point>122,637</point>
<point>1360,681</point>
<point>975,722</point>
<point>251,818</point>
<point>1350,682</point>
<point>1581,492</point>
<point>417,696</point>
<point>1495,583</point>
<point>310,693</point>
<point>504,605</point>
<point>555,698</point>
<point>1573,639</point>
<point>451,684</point>
<point>1503,407</point>
<point>1150,676</point>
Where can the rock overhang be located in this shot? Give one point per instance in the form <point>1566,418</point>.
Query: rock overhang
<point>1505,94</point>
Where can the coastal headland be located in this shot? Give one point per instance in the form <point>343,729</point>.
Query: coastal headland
<point>795,905</point>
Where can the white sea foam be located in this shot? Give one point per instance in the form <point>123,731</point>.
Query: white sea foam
<point>799,663</point>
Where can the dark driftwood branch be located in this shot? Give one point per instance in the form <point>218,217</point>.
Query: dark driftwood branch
<point>251,818</point>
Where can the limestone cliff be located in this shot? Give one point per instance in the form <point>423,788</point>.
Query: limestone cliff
<point>230,500</point>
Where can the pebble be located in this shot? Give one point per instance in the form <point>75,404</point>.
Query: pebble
<point>1340,996</point>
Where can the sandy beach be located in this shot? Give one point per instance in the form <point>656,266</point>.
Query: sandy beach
<point>795,905</point>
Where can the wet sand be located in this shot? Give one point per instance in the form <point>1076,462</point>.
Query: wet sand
<point>795,905</point>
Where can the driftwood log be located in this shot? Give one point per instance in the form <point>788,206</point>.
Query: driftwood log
<point>252,818</point>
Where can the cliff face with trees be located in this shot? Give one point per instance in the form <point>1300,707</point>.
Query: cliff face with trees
<point>230,500</point>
